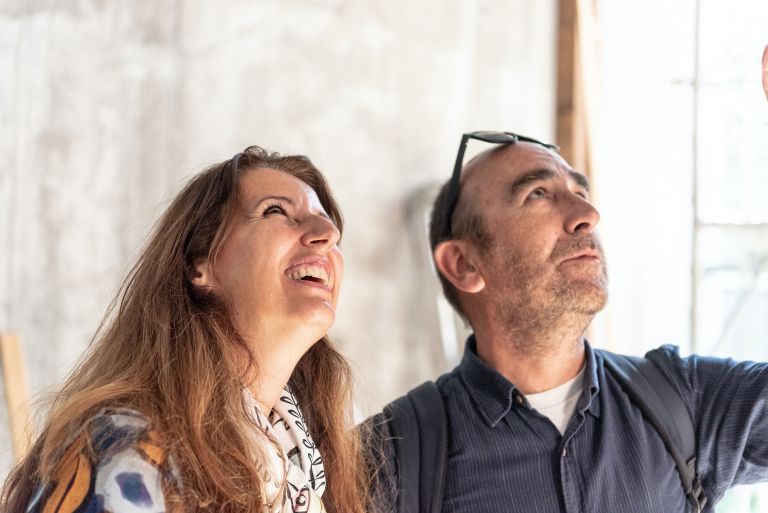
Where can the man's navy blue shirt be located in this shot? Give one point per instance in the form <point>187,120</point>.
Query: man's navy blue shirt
<point>504,456</point>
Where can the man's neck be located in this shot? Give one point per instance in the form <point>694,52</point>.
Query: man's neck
<point>534,361</point>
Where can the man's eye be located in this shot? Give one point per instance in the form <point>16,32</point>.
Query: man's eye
<point>273,209</point>
<point>537,194</point>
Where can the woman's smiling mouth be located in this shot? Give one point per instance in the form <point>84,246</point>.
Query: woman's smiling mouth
<point>315,272</point>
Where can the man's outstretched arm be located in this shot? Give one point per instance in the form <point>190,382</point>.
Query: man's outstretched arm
<point>729,404</point>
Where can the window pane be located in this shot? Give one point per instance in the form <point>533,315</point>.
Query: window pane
<point>732,298</point>
<point>732,112</point>
<point>732,153</point>
<point>731,39</point>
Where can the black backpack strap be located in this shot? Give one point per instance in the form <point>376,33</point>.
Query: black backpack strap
<point>662,405</point>
<point>419,428</point>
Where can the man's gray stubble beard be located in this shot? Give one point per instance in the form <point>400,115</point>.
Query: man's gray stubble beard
<point>534,304</point>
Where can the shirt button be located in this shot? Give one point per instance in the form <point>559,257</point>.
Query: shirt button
<point>565,451</point>
<point>519,400</point>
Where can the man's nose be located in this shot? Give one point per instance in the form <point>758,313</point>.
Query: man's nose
<point>582,216</point>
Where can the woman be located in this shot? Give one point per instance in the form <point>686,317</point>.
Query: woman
<point>188,398</point>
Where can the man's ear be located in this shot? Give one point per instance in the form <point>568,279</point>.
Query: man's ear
<point>455,261</point>
<point>201,275</point>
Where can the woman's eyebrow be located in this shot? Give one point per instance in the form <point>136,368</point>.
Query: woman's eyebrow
<point>261,200</point>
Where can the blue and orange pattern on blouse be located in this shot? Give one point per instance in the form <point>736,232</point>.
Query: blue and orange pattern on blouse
<point>115,465</point>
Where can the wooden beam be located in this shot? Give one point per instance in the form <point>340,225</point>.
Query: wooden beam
<point>566,76</point>
<point>16,392</point>
<point>576,78</point>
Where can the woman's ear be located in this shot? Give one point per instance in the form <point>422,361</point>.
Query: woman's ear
<point>201,275</point>
<point>455,261</point>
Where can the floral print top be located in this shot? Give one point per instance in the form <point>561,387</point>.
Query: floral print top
<point>116,464</point>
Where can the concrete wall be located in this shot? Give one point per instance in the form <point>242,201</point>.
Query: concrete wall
<point>107,106</point>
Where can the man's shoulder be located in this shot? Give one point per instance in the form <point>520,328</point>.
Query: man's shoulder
<point>666,359</point>
<point>446,384</point>
<point>443,384</point>
<point>409,432</point>
<point>449,381</point>
<point>665,354</point>
<point>377,429</point>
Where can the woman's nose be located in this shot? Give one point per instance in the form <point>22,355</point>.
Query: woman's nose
<point>320,232</point>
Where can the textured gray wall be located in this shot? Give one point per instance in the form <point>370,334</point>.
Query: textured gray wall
<point>107,106</point>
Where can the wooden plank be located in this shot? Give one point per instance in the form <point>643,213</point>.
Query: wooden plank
<point>588,75</point>
<point>576,82</point>
<point>566,77</point>
<point>16,392</point>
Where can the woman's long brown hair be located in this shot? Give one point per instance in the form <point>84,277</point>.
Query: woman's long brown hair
<point>171,352</point>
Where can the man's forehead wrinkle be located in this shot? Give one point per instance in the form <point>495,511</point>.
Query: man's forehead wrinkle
<point>529,158</point>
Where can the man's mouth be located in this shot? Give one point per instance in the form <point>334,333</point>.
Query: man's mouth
<point>585,255</point>
<point>584,249</point>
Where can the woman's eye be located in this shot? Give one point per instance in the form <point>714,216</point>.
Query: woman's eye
<point>273,209</point>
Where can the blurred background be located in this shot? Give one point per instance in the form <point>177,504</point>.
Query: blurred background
<point>108,106</point>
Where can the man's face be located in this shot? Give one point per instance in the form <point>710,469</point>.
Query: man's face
<point>543,258</point>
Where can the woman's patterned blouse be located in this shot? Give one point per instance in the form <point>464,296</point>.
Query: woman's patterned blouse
<point>116,464</point>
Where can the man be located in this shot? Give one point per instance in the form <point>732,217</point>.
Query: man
<point>535,422</point>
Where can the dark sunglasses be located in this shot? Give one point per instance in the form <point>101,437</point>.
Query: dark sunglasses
<point>485,136</point>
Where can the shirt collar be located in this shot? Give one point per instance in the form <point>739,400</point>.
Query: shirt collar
<point>495,395</point>
<point>589,398</point>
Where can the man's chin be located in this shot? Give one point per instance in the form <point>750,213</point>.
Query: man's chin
<point>585,298</point>
<point>593,307</point>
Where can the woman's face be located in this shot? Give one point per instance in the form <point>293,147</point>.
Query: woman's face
<point>279,266</point>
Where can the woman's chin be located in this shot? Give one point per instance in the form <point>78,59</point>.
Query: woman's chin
<point>318,319</point>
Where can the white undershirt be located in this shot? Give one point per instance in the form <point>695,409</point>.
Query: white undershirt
<point>559,403</point>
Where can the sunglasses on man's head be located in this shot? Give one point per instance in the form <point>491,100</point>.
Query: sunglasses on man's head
<point>485,136</point>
